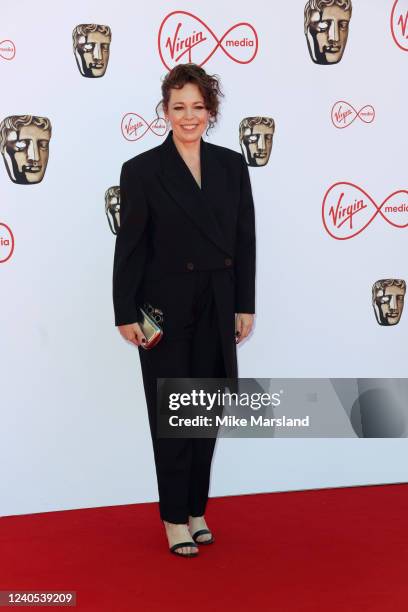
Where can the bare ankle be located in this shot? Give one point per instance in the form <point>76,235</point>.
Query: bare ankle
<point>174,524</point>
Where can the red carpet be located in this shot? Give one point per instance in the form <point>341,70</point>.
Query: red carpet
<point>330,549</point>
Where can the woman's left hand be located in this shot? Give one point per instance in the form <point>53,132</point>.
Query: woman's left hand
<point>243,325</point>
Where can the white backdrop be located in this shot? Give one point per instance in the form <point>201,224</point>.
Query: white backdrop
<point>74,422</point>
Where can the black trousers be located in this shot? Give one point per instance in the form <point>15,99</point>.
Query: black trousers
<point>193,350</point>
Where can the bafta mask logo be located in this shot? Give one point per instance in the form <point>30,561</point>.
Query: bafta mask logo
<point>326,29</point>
<point>256,139</point>
<point>91,48</point>
<point>388,300</point>
<point>24,144</point>
<point>112,208</point>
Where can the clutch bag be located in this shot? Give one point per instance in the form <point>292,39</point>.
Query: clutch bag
<point>151,324</point>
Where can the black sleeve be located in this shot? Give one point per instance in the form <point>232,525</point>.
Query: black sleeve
<point>130,249</point>
<point>245,247</point>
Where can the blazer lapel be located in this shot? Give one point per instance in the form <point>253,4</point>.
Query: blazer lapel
<point>181,185</point>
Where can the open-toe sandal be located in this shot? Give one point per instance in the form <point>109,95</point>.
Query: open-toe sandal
<point>180,545</point>
<point>203,532</point>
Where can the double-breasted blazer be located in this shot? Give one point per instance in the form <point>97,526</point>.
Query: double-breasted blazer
<point>169,227</point>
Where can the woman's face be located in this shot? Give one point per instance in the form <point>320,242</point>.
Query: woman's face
<point>187,113</point>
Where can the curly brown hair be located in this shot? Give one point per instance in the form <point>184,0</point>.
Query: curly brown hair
<point>209,86</point>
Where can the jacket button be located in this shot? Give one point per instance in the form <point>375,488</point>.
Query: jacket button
<point>228,261</point>
<point>190,266</point>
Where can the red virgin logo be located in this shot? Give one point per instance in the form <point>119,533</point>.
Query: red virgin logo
<point>6,242</point>
<point>7,49</point>
<point>183,37</point>
<point>348,210</point>
<point>399,24</point>
<point>344,114</point>
<point>133,126</point>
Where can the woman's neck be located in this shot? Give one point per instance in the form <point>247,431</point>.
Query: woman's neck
<point>188,150</point>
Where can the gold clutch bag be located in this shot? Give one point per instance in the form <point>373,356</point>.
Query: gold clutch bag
<point>151,325</point>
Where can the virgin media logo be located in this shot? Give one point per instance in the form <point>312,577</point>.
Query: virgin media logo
<point>399,24</point>
<point>183,37</point>
<point>6,242</point>
<point>7,49</point>
<point>348,210</point>
<point>344,114</point>
<point>133,126</point>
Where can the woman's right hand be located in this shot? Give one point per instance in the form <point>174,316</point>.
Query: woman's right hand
<point>132,333</point>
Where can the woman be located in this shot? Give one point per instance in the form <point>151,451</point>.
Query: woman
<point>186,245</point>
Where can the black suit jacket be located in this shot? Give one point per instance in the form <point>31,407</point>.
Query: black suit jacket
<point>168,225</point>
